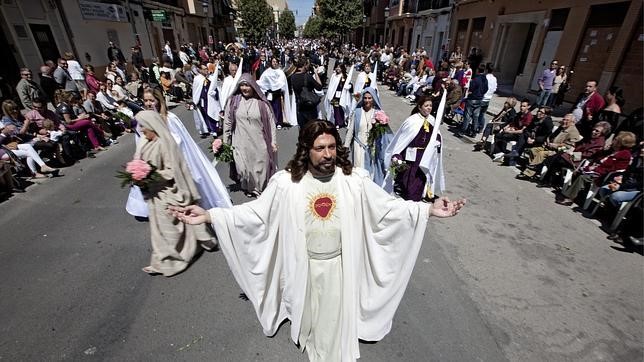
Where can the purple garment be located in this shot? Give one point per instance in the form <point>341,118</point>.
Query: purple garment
<point>212,124</point>
<point>411,183</point>
<point>338,111</point>
<point>338,116</point>
<point>548,78</point>
<point>276,104</point>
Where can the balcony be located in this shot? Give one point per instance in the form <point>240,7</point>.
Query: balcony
<point>432,4</point>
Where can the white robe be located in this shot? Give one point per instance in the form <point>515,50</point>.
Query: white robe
<point>432,161</point>
<point>345,97</point>
<point>262,241</point>
<point>211,189</point>
<point>360,83</point>
<point>274,79</point>
<point>214,106</point>
<point>229,85</point>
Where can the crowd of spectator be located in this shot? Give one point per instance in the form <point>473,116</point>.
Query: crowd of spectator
<point>92,108</point>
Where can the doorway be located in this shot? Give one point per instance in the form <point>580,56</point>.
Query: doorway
<point>45,42</point>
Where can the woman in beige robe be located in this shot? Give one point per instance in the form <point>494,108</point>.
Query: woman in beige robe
<point>174,244</point>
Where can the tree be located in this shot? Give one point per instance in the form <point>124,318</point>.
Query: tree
<point>339,17</point>
<point>312,27</point>
<point>286,24</point>
<point>256,18</point>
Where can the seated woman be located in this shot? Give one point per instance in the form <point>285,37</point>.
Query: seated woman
<point>412,146</point>
<point>626,186</point>
<point>24,151</point>
<point>27,131</point>
<point>503,118</point>
<point>590,149</point>
<point>595,172</point>
<point>101,117</point>
<point>135,86</point>
<point>79,123</point>
<point>173,244</point>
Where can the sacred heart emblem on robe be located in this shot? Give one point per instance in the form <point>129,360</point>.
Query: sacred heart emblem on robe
<point>322,206</point>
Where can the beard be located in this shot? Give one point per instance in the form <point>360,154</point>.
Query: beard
<point>324,167</point>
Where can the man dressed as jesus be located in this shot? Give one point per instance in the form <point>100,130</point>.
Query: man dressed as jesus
<point>324,247</point>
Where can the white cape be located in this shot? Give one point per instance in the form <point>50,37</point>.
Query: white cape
<point>345,97</point>
<point>229,85</point>
<point>212,191</point>
<point>214,107</point>
<point>263,243</point>
<point>274,79</point>
<point>361,80</point>
<point>432,161</point>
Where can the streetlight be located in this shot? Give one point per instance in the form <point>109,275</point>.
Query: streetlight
<point>386,23</point>
<point>364,22</point>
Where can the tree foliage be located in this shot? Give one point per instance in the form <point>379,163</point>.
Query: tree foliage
<point>286,24</point>
<point>256,18</point>
<point>339,17</point>
<point>312,27</point>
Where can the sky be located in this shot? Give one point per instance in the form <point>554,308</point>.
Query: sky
<point>303,7</point>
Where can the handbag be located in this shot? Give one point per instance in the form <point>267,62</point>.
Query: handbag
<point>309,98</point>
<point>13,145</point>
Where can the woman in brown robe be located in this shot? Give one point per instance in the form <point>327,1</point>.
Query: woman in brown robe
<point>174,244</point>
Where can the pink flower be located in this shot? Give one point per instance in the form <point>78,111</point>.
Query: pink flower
<point>381,117</point>
<point>139,169</point>
<point>216,145</point>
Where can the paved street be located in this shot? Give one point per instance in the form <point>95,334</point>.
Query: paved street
<point>513,277</point>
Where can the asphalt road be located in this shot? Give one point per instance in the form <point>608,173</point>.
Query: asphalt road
<point>513,277</point>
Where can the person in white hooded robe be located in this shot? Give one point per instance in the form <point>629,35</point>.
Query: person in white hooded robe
<point>229,84</point>
<point>324,247</point>
<point>337,100</point>
<point>417,146</point>
<point>212,190</point>
<point>205,97</point>
<point>365,79</point>
<point>274,84</point>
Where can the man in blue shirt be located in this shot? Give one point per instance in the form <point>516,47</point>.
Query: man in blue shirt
<point>474,100</point>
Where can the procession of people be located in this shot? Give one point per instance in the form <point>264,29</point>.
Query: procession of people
<point>316,234</point>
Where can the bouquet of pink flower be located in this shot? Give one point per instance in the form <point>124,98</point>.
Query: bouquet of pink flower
<point>379,126</point>
<point>223,151</point>
<point>140,173</point>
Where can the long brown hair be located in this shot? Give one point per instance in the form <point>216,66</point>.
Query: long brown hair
<point>158,95</point>
<point>313,129</point>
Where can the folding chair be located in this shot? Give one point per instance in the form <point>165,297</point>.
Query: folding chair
<point>623,209</point>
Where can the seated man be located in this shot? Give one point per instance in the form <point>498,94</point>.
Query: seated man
<point>597,171</point>
<point>512,131</point>
<point>535,135</point>
<point>562,140</point>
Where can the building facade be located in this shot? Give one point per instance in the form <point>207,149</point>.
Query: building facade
<point>598,39</point>
<point>431,27</point>
<point>33,31</point>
